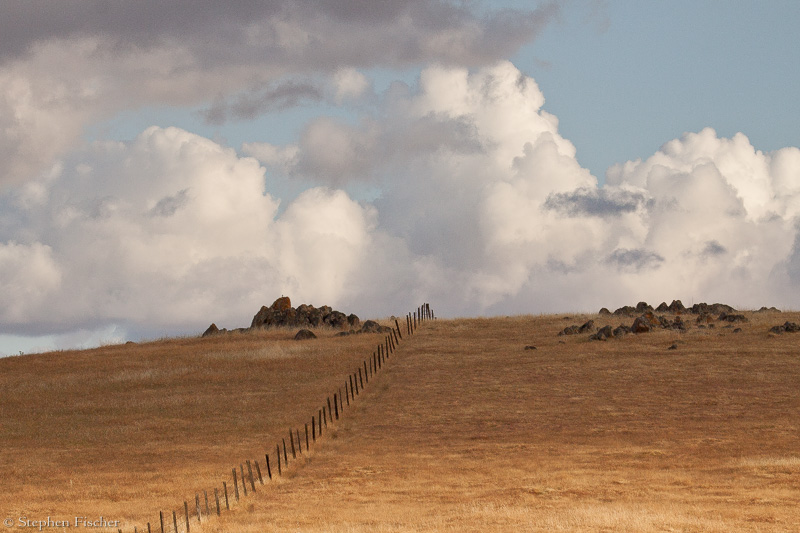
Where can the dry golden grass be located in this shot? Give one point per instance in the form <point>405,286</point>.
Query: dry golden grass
<point>463,431</point>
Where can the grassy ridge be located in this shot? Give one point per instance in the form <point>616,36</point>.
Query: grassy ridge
<point>464,431</point>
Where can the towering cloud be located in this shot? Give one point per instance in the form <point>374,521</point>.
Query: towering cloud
<point>458,188</point>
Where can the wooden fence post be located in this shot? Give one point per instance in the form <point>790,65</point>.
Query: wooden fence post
<point>361,379</point>
<point>216,499</point>
<point>320,419</point>
<point>269,470</point>
<point>235,485</point>
<point>356,380</point>
<point>366,374</point>
<point>225,489</point>
<point>352,391</point>
<point>336,406</point>
<point>397,325</point>
<point>278,453</point>
<point>291,439</point>
<point>205,496</point>
<point>249,473</point>
<point>330,413</point>
<point>175,521</point>
<point>307,436</point>
<point>299,443</point>
<point>324,418</point>
<point>197,503</point>
<point>148,528</point>
<point>346,394</point>
<point>244,481</point>
<point>313,429</point>
<point>161,516</point>
<point>258,470</point>
<point>186,514</point>
<point>285,455</point>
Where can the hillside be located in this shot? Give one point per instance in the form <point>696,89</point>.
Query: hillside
<point>464,430</point>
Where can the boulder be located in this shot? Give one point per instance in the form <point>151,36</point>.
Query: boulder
<point>678,323</point>
<point>625,310</point>
<point>643,307</point>
<point>729,317</point>
<point>662,307</point>
<point>711,309</point>
<point>353,321</point>
<point>212,330</point>
<point>570,330</point>
<point>587,327</point>
<point>370,326</point>
<point>621,330</point>
<point>304,334</point>
<point>787,327</point>
<point>284,303</point>
<point>602,334</point>
<point>641,325</point>
<point>676,307</point>
<point>336,319</point>
<point>604,312</point>
<point>769,310</point>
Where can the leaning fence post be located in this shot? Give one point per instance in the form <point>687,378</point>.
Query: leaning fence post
<point>307,448</point>
<point>352,392</point>
<point>336,406</point>
<point>330,413</point>
<point>244,482</point>
<point>347,394</point>
<point>291,438</point>
<point>258,470</point>
<point>216,498</point>
<point>397,325</point>
<point>269,470</point>
<point>235,485</point>
<point>161,516</point>
<point>278,447</point>
<point>366,374</point>
<point>186,513</point>
<point>361,379</point>
<point>249,473</point>
<point>225,489</point>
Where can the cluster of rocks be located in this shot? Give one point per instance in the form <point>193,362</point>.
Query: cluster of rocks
<point>787,327</point>
<point>648,320</point>
<point>282,314</point>
<point>676,307</point>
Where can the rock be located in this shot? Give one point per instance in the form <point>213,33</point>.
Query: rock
<point>676,307</point>
<point>641,325</point>
<point>336,319</point>
<point>588,326</point>
<point>603,334</point>
<point>726,317</point>
<point>737,330</point>
<point>769,310</point>
<point>304,334</point>
<point>673,347</point>
<point>678,323</point>
<point>284,303</point>
<point>570,330</point>
<point>625,310</point>
<point>353,321</point>
<point>704,318</point>
<point>713,309</point>
<point>212,330</point>
<point>530,347</point>
<point>604,312</point>
<point>662,307</point>
<point>643,307</point>
<point>787,327</point>
<point>621,330</point>
<point>370,326</point>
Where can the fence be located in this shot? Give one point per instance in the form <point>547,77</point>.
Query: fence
<point>249,471</point>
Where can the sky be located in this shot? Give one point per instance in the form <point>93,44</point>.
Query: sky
<point>165,165</point>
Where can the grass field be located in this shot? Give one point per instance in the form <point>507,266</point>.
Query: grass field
<point>464,430</point>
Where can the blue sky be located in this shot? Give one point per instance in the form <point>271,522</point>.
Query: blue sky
<point>164,169</point>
